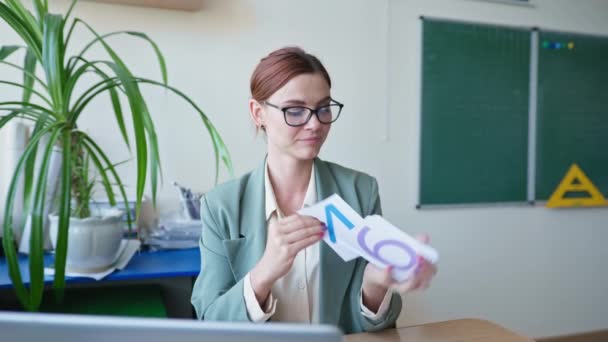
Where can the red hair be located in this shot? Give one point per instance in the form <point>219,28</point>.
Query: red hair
<point>279,67</point>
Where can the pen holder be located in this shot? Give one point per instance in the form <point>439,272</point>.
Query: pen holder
<point>191,207</point>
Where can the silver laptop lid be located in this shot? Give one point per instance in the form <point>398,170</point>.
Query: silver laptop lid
<point>18,326</point>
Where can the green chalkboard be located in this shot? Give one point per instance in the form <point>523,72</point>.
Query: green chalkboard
<point>572,109</point>
<point>474,113</point>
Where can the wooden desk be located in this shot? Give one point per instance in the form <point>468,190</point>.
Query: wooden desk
<point>460,330</point>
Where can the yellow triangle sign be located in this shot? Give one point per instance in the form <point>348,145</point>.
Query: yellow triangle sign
<point>576,180</point>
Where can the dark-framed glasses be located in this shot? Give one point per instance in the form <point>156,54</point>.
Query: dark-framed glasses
<point>299,115</point>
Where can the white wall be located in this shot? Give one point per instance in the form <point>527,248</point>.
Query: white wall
<point>537,271</point>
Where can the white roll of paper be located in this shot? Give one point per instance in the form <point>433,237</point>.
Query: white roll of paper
<point>13,139</point>
<point>54,172</point>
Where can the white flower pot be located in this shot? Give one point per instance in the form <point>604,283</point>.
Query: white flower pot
<point>93,243</point>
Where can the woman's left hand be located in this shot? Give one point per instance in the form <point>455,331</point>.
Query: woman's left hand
<point>377,281</point>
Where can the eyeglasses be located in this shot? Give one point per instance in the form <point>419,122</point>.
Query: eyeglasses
<point>299,115</point>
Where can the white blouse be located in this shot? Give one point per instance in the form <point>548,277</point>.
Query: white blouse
<point>294,297</point>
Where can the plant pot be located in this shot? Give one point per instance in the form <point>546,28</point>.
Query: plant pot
<point>93,243</point>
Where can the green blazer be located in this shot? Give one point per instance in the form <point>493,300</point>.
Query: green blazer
<point>234,238</point>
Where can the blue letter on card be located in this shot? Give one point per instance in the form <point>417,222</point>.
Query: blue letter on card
<point>329,210</point>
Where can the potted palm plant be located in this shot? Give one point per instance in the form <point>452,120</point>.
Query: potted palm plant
<point>53,102</point>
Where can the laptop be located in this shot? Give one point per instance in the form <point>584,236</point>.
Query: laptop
<point>36,327</point>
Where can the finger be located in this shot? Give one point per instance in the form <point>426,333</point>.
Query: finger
<point>385,276</point>
<point>295,247</point>
<point>298,223</point>
<point>416,282</point>
<point>424,238</point>
<point>429,273</point>
<point>378,276</point>
<point>287,219</point>
<point>402,288</point>
<point>424,279</point>
<point>428,270</point>
<point>295,217</point>
<point>304,233</point>
<point>389,280</point>
<point>299,226</point>
<point>423,273</point>
<point>420,280</point>
<point>420,264</point>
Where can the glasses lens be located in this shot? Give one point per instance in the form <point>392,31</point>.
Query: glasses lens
<point>296,116</point>
<point>329,113</point>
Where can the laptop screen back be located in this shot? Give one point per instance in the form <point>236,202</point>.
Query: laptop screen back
<point>80,328</point>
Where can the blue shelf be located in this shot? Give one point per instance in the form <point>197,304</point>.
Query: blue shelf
<point>144,265</point>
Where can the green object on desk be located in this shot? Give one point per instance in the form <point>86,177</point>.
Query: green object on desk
<point>132,300</point>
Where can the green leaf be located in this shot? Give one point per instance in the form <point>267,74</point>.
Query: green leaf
<point>121,162</point>
<point>104,177</point>
<point>29,64</point>
<point>25,72</point>
<point>67,14</point>
<point>109,85</point>
<point>24,14</point>
<point>89,95</point>
<point>52,53</point>
<point>72,27</point>
<point>74,75</point>
<point>7,118</point>
<point>9,247</point>
<point>155,167</point>
<point>26,105</point>
<point>119,115</point>
<point>93,148</point>
<point>139,110</point>
<point>159,55</point>
<point>36,256</point>
<point>161,59</point>
<point>30,167</point>
<point>6,51</point>
<point>42,8</point>
<point>114,95</point>
<point>61,245</point>
<point>29,89</point>
<point>220,149</point>
<point>27,30</point>
<point>27,113</point>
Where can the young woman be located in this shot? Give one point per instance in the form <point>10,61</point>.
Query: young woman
<point>262,261</point>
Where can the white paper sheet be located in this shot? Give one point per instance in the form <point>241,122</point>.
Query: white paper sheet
<point>127,250</point>
<point>372,238</point>
<point>337,225</point>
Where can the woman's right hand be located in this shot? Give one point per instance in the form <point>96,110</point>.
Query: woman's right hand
<point>286,237</point>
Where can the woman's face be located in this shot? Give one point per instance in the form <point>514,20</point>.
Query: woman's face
<point>302,142</point>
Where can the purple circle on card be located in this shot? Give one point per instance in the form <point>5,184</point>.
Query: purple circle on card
<point>383,243</point>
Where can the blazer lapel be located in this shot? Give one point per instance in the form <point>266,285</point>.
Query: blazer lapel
<point>245,251</point>
<point>334,273</point>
